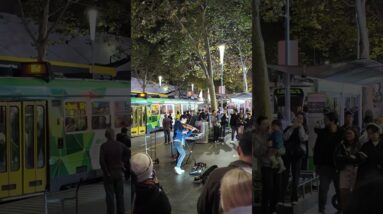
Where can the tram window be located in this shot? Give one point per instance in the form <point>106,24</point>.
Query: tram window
<point>163,109</point>
<point>15,138</point>
<point>155,109</point>
<point>75,116</point>
<point>121,114</point>
<point>40,136</point>
<point>170,109</point>
<point>100,115</point>
<point>29,137</point>
<point>3,145</point>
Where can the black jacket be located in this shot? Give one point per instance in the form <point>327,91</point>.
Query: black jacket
<point>150,198</point>
<point>325,145</point>
<point>208,202</point>
<point>374,162</point>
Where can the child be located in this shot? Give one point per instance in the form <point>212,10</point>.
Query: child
<point>277,146</point>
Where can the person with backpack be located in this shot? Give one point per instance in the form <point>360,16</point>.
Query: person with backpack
<point>295,137</point>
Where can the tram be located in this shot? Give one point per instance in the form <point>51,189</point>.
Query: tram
<point>51,129</point>
<point>149,109</point>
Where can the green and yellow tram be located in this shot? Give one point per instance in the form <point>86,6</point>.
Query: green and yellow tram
<point>148,112</point>
<point>51,130</point>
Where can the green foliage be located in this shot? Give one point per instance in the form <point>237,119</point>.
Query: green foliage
<point>176,31</point>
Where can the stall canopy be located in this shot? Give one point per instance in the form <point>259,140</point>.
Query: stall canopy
<point>362,72</point>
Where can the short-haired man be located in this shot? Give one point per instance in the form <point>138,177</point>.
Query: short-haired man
<point>327,140</point>
<point>111,161</point>
<point>208,202</point>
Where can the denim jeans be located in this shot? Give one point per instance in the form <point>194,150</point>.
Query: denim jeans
<point>181,152</point>
<point>114,189</point>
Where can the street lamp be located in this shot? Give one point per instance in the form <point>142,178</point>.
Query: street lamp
<point>92,17</point>
<point>221,54</point>
<point>160,80</point>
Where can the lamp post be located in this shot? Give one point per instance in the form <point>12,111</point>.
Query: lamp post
<point>221,54</point>
<point>160,80</point>
<point>92,17</point>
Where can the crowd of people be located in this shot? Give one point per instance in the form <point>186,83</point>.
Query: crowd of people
<point>350,159</point>
<point>340,157</point>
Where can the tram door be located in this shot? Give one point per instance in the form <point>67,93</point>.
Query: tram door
<point>134,129</point>
<point>10,150</point>
<point>34,144</point>
<point>141,120</point>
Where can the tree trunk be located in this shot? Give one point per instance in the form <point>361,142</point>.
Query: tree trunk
<point>244,72</point>
<point>42,41</point>
<point>260,90</point>
<point>360,6</point>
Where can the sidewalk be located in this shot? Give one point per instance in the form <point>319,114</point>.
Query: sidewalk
<point>91,200</point>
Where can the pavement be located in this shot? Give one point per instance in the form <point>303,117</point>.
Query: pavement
<point>91,200</point>
<point>180,189</point>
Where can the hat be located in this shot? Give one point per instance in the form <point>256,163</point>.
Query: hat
<point>142,166</point>
<point>379,128</point>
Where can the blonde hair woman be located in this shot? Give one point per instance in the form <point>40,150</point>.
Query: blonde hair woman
<point>237,191</point>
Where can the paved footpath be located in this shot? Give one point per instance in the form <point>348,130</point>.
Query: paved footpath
<point>91,201</point>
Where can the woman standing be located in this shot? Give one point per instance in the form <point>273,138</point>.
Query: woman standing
<point>295,137</point>
<point>179,142</point>
<point>346,160</point>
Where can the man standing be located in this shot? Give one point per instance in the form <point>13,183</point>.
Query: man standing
<point>326,142</point>
<point>111,162</point>
<point>208,202</point>
<point>234,124</point>
<point>166,125</point>
<point>349,121</point>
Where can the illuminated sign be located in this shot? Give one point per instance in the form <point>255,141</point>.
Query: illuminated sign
<point>34,69</point>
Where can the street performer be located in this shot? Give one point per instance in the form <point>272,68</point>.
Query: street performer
<point>180,133</point>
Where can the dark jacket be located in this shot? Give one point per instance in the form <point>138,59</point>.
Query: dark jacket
<point>125,139</point>
<point>208,202</point>
<point>325,145</point>
<point>112,155</point>
<point>150,198</point>
<point>234,120</point>
<point>374,163</point>
<point>346,155</point>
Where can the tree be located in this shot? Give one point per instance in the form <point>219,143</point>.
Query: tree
<point>260,75</point>
<point>68,17</point>
<point>364,44</point>
<point>43,12</point>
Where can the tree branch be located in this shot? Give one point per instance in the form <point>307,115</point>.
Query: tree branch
<point>201,63</point>
<point>25,23</point>
<point>58,18</point>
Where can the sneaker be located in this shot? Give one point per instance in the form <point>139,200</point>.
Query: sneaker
<point>182,171</point>
<point>178,170</point>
